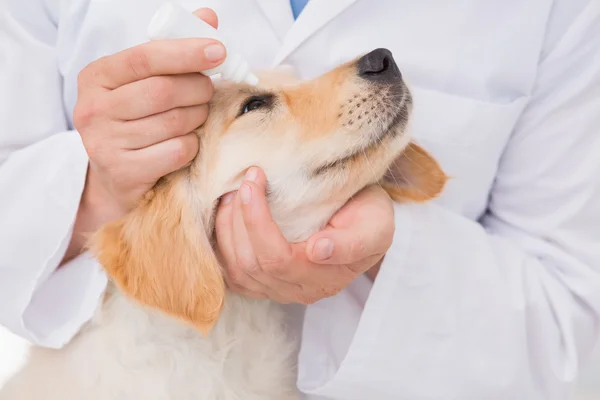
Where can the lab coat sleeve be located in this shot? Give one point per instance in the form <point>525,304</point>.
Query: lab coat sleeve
<point>506,307</point>
<point>43,167</point>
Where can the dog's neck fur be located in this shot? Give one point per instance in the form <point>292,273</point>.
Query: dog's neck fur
<point>296,220</point>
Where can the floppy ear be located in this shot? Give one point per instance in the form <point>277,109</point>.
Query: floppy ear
<point>160,255</point>
<point>414,176</point>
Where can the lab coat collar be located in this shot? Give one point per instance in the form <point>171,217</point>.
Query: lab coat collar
<point>315,15</point>
<point>279,14</point>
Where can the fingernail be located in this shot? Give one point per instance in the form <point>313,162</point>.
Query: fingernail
<point>251,174</point>
<point>227,198</point>
<point>245,194</point>
<point>323,249</point>
<point>214,52</point>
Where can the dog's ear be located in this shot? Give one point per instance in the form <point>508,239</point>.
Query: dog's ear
<point>414,176</point>
<point>160,255</point>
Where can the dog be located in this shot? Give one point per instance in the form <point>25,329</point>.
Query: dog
<point>167,326</point>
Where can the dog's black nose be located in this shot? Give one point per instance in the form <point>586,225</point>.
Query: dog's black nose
<point>379,66</point>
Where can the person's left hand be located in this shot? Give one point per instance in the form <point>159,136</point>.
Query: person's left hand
<point>260,263</point>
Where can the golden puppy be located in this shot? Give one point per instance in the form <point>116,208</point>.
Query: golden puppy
<point>168,328</point>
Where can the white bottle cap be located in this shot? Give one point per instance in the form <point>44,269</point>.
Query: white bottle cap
<point>172,21</point>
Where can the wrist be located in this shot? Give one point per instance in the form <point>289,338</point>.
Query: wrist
<point>98,205</point>
<point>96,208</point>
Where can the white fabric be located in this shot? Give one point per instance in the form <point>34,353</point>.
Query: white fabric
<point>491,292</point>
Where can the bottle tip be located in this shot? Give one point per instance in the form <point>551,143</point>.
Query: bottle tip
<point>251,79</point>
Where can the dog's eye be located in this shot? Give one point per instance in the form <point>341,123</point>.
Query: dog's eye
<point>255,103</point>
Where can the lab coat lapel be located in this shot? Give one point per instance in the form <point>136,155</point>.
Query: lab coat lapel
<point>315,15</point>
<point>279,14</point>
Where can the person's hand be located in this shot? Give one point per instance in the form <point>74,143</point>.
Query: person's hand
<point>260,263</point>
<point>135,111</point>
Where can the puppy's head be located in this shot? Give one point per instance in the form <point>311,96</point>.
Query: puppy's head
<point>319,142</point>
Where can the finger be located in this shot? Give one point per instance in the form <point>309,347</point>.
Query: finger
<point>242,282</point>
<point>208,15</point>
<point>159,57</point>
<point>160,93</point>
<point>226,246</point>
<point>158,160</point>
<point>271,248</point>
<point>365,264</point>
<point>283,268</point>
<point>244,253</point>
<point>224,228</point>
<point>344,246</point>
<point>372,199</point>
<point>160,127</point>
<point>369,235</point>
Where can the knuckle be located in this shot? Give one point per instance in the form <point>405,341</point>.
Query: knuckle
<point>174,121</point>
<point>85,112</point>
<point>138,62</point>
<point>357,249</point>
<point>249,265</point>
<point>82,116</point>
<point>160,92</point>
<point>243,263</point>
<point>236,275</point>
<point>275,265</point>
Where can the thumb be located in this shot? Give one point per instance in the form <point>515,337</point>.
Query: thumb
<point>338,246</point>
<point>208,16</point>
<point>361,230</point>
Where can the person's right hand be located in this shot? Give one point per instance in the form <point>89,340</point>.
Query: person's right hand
<point>134,113</point>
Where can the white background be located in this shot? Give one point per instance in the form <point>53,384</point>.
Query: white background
<point>13,349</point>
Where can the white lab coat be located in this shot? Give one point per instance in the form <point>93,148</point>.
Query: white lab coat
<point>491,292</point>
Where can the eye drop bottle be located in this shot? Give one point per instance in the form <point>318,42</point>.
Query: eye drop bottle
<point>172,21</point>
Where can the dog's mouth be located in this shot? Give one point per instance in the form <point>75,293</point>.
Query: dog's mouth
<point>391,129</point>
